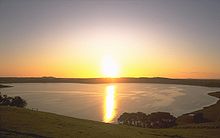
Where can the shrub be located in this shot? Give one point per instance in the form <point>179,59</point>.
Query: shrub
<point>153,120</point>
<point>12,101</point>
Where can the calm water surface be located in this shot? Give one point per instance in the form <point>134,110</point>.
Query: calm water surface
<point>105,102</point>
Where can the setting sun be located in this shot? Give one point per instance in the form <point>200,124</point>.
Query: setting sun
<point>110,67</point>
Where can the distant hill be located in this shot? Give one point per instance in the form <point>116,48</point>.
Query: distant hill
<point>197,82</point>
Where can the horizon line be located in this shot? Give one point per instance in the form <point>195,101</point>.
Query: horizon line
<point>141,77</point>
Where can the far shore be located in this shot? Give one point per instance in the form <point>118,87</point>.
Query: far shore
<point>159,80</point>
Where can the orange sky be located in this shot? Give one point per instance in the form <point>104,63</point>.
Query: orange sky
<point>71,39</point>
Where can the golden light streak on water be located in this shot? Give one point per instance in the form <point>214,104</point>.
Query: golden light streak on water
<point>110,104</point>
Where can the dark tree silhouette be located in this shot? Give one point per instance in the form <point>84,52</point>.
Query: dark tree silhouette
<point>198,118</point>
<point>12,101</point>
<point>18,101</point>
<point>153,120</point>
<point>160,120</point>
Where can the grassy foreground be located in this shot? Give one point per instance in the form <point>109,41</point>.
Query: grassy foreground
<point>19,122</point>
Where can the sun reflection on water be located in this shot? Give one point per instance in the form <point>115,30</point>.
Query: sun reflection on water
<point>110,104</point>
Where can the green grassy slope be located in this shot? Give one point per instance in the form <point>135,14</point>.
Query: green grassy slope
<point>18,122</point>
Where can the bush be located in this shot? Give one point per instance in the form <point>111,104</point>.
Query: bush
<point>153,120</point>
<point>12,101</point>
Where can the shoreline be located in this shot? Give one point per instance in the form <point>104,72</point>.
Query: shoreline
<point>158,80</point>
<point>20,122</point>
<point>5,86</point>
<point>209,113</point>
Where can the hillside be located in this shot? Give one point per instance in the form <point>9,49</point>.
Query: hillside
<point>196,82</point>
<point>21,122</point>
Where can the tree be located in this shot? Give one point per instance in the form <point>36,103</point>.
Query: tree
<point>12,101</point>
<point>198,118</point>
<point>160,120</point>
<point>18,101</point>
<point>153,120</point>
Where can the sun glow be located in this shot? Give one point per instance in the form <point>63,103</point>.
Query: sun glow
<point>109,109</point>
<point>109,67</point>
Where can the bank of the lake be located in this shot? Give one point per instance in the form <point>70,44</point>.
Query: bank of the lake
<point>20,122</point>
<point>210,113</point>
<point>4,86</point>
<point>88,101</point>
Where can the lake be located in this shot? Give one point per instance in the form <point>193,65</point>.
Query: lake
<point>106,102</point>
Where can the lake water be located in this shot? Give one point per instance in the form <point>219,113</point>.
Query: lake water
<point>106,102</point>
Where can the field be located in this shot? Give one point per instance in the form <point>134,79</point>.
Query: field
<point>20,122</point>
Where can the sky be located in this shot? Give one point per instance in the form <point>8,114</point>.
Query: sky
<point>142,38</point>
